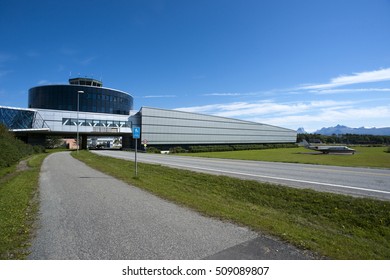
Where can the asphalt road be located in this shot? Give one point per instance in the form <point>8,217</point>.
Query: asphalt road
<point>362,182</point>
<point>85,214</point>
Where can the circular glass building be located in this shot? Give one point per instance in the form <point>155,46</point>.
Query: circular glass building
<point>93,97</point>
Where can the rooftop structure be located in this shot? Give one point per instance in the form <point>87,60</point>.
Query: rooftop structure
<point>86,82</point>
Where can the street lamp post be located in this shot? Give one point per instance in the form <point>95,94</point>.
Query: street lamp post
<point>78,108</point>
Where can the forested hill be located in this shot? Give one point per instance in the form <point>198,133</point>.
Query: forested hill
<point>345,139</point>
<point>341,129</point>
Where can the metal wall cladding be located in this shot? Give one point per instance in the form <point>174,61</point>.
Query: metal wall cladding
<point>161,126</point>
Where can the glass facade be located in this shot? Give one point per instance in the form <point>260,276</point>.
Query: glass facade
<point>14,118</point>
<point>94,99</point>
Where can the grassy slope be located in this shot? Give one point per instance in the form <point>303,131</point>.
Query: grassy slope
<point>365,156</point>
<point>335,226</point>
<point>18,209</point>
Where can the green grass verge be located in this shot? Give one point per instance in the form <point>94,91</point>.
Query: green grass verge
<point>18,208</point>
<point>364,156</point>
<point>7,170</point>
<point>334,226</point>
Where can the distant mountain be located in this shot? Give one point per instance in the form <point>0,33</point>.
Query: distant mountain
<point>301,130</point>
<point>342,129</point>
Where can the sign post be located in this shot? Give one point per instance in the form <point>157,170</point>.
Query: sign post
<point>145,142</point>
<point>136,136</point>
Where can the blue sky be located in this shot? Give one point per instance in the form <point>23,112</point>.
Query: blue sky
<point>291,63</point>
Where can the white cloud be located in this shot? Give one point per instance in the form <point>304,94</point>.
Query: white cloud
<point>311,115</point>
<point>199,109</point>
<point>223,94</point>
<point>43,82</point>
<point>33,54</point>
<point>320,89</point>
<point>5,72</point>
<point>68,51</point>
<point>5,57</point>
<point>357,78</point>
<point>263,107</point>
<point>87,60</point>
<point>377,116</point>
<point>231,94</point>
<point>335,91</point>
<point>159,96</point>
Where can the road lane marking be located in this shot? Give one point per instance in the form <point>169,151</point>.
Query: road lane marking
<point>262,164</point>
<point>260,176</point>
<point>348,171</point>
<point>271,177</point>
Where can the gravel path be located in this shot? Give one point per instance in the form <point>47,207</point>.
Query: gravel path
<point>85,214</point>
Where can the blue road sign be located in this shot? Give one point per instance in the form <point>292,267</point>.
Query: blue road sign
<point>136,132</point>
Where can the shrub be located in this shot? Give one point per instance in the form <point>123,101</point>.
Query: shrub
<point>38,149</point>
<point>153,150</point>
<point>12,149</point>
<point>237,147</point>
<point>176,150</point>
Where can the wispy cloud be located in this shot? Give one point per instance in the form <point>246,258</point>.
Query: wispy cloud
<point>43,82</point>
<point>311,121</point>
<point>272,92</point>
<point>33,54</point>
<point>159,96</point>
<point>198,77</point>
<point>5,57</point>
<point>68,51</point>
<point>223,94</point>
<point>313,112</point>
<point>349,90</point>
<point>87,60</point>
<point>231,94</point>
<point>310,114</point>
<point>357,78</point>
<point>5,72</point>
<point>264,107</point>
<point>331,87</point>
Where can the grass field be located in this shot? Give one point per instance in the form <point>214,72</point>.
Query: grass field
<point>364,156</point>
<point>333,226</point>
<point>18,207</point>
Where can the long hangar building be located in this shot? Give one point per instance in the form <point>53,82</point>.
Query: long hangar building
<point>84,105</point>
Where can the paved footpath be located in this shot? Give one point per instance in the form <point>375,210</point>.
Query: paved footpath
<point>85,214</point>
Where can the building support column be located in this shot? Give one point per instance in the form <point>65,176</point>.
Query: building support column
<point>84,139</point>
<point>127,142</point>
<point>36,139</point>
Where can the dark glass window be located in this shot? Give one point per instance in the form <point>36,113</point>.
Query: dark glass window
<point>64,97</point>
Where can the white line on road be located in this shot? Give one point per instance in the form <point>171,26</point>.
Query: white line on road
<point>262,176</point>
<point>271,177</point>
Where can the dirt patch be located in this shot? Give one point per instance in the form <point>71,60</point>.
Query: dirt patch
<point>22,166</point>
